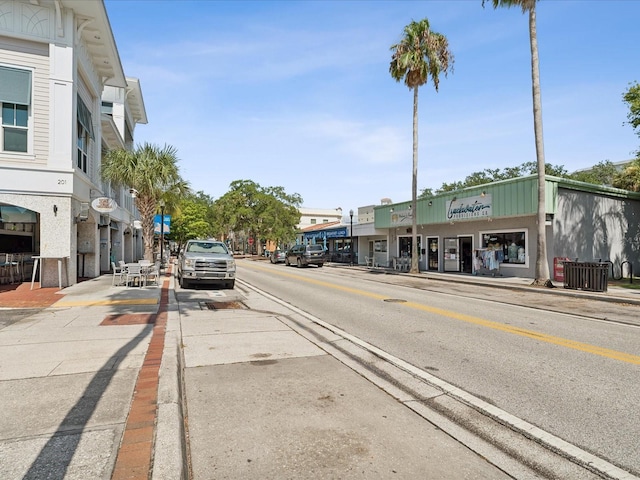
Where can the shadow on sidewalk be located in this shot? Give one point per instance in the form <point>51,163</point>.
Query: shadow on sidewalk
<point>55,457</point>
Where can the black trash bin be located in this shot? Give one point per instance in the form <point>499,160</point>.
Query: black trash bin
<point>589,276</point>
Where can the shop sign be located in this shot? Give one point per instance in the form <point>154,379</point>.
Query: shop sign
<point>338,233</point>
<point>104,204</point>
<point>325,234</point>
<point>470,208</point>
<point>402,217</point>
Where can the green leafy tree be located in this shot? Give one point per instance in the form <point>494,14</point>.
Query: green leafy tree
<point>603,173</point>
<point>236,209</point>
<point>194,219</point>
<point>258,213</point>
<point>279,215</point>
<point>542,264</point>
<point>154,174</point>
<point>629,178</point>
<point>426,193</point>
<point>632,98</point>
<point>420,55</point>
<point>489,175</point>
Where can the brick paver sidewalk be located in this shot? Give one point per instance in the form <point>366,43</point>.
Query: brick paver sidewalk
<point>20,295</point>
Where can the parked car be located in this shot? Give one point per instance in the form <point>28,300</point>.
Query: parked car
<point>277,256</point>
<point>206,261</point>
<point>303,255</point>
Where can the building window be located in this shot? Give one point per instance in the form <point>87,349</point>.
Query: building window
<point>15,99</point>
<point>380,246</point>
<point>313,221</point>
<point>15,131</point>
<point>107,107</point>
<point>85,134</point>
<point>83,148</point>
<point>513,245</point>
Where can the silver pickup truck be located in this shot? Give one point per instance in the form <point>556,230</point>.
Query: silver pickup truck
<point>207,262</point>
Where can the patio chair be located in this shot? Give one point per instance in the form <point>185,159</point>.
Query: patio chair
<point>368,261</point>
<point>406,264</point>
<point>118,274</point>
<point>134,271</point>
<point>152,274</point>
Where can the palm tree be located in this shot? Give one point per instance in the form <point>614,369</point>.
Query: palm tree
<point>154,175</point>
<point>422,53</point>
<point>542,265</point>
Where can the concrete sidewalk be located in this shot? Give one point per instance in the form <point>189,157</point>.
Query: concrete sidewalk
<point>67,378</point>
<point>101,383</point>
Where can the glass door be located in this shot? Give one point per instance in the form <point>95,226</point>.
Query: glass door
<point>451,256</point>
<point>432,253</point>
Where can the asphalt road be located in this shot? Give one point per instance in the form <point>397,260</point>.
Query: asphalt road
<point>573,374</point>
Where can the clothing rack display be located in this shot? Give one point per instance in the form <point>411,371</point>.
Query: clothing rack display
<point>486,261</point>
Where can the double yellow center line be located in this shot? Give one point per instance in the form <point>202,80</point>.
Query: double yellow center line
<point>523,332</point>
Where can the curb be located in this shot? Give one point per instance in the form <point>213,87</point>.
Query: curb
<point>545,290</point>
<point>606,297</point>
<point>170,446</point>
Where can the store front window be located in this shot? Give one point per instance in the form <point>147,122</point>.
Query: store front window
<point>380,246</point>
<point>404,247</point>
<point>512,244</point>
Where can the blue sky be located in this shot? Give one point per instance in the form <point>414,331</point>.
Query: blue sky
<point>298,94</point>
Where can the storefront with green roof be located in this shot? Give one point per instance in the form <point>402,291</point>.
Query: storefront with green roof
<point>491,229</point>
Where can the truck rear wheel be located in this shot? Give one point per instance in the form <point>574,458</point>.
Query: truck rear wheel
<point>184,283</point>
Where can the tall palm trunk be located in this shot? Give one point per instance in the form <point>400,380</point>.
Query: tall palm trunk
<point>542,265</point>
<point>147,208</point>
<point>414,187</point>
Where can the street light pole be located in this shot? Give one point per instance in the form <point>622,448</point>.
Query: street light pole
<point>161,234</point>
<point>351,232</point>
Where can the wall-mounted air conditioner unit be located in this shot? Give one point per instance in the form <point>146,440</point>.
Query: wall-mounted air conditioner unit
<point>84,213</point>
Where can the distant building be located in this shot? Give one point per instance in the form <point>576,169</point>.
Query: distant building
<point>316,216</point>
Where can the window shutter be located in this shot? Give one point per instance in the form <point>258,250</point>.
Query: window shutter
<point>15,86</point>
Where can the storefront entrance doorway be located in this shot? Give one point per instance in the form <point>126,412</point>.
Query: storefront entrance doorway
<point>466,258</point>
<point>458,254</point>
<point>451,256</point>
<point>432,253</point>
<point>404,247</point>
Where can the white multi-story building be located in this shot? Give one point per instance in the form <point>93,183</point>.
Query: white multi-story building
<point>318,216</point>
<point>64,101</point>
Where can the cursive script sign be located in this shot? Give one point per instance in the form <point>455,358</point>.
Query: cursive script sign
<point>402,217</point>
<point>469,208</point>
